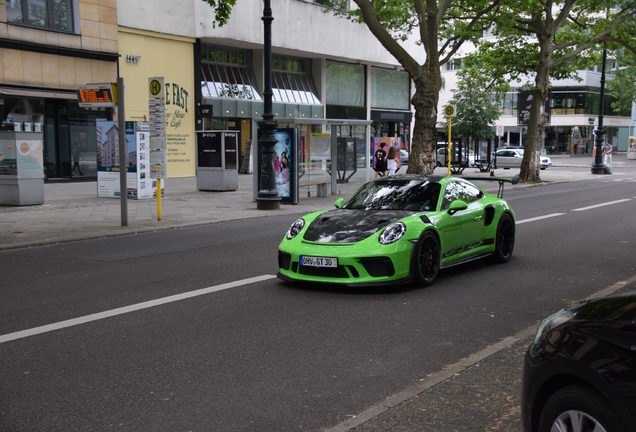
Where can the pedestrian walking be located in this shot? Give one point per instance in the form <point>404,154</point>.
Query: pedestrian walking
<point>607,153</point>
<point>76,161</point>
<point>392,162</point>
<point>379,164</point>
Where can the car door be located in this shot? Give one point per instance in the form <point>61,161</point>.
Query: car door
<point>461,232</point>
<point>517,157</point>
<point>504,158</point>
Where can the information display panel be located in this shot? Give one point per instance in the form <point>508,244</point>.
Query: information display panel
<point>97,95</point>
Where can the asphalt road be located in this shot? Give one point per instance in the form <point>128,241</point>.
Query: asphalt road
<point>258,354</point>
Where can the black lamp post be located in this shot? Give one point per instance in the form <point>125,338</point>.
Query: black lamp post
<point>267,198</point>
<point>598,167</point>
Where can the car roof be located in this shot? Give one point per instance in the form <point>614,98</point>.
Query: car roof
<point>423,178</point>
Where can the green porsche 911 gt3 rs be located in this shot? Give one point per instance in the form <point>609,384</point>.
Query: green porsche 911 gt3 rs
<point>399,229</point>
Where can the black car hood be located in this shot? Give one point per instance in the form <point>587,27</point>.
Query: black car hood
<point>347,226</point>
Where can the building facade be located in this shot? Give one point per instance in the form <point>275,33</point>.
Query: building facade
<point>47,49</point>
<point>323,68</point>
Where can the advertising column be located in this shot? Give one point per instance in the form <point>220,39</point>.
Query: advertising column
<point>21,168</point>
<point>285,165</point>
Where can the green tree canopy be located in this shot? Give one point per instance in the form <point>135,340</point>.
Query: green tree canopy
<point>551,40</point>
<point>623,86</point>
<point>222,10</point>
<point>478,101</point>
<point>441,27</point>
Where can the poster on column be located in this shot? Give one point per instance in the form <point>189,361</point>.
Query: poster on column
<point>139,146</point>
<point>139,185</point>
<point>282,163</point>
<point>107,139</point>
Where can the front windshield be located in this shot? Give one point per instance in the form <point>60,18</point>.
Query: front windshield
<point>389,194</point>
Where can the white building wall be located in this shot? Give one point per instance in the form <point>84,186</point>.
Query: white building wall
<point>299,28</point>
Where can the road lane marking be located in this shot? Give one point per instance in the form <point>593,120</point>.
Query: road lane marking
<point>602,205</point>
<point>132,308</point>
<point>540,218</point>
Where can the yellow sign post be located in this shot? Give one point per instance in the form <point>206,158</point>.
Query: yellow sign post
<point>449,113</point>
<point>158,155</point>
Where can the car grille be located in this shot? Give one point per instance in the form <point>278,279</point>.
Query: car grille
<point>334,272</point>
<point>378,267</point>
<point>284,260</point>
<point>375,267</point>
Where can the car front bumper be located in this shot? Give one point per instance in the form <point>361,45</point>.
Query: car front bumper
<point>359,264</point>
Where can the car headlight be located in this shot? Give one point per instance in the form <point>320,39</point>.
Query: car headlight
<point>392,233</point>
<point>551,322</point>
<point>295,228</point>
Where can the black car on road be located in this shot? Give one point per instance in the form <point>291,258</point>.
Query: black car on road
<point>579,372</point>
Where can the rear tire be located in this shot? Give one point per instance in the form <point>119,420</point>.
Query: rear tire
<point>426,259</point>
<point>505,240</point>
<point>578,408</point>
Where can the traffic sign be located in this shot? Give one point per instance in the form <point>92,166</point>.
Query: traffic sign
<point>156,88</point>
<point>450,111</point>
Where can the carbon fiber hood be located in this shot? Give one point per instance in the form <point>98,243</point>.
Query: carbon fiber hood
<point>348,226</point>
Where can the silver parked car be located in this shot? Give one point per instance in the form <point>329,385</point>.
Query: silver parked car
<point>507,158</point>
<point>404,157</point>
<point>468,157</point>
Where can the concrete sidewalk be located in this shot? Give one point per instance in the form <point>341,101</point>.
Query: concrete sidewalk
<point>72,211</point>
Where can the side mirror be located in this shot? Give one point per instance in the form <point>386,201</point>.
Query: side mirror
<point>456,206</point>
<point>338,203</point>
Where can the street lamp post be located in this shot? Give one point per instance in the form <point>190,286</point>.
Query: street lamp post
<point>598,167</point>
<point>267,198</point>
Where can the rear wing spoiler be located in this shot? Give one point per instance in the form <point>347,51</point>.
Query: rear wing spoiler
<point>502,180</point>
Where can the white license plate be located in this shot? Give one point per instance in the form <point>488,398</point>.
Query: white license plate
<point>318,261</point>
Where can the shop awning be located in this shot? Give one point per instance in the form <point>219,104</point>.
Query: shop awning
<point>43,94</point>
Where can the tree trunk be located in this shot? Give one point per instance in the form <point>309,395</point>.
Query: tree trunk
<point>531,164</point>
<point>425,99</point>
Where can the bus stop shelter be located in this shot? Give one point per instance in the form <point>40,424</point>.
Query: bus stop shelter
<point>322,155</point>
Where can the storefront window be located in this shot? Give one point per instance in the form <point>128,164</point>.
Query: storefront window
<point>345,84</point>
<point>390,89</point>
<point>20,111</point>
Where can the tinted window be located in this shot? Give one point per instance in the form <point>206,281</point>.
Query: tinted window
<point>459,190</point>
<point>411,195</point>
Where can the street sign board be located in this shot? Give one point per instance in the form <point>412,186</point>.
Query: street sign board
<point>156,88</point>
<point>450,111</point>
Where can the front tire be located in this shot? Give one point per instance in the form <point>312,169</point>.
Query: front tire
<point>426,260</point>
<point>578,408</point>
<point>505,240</point>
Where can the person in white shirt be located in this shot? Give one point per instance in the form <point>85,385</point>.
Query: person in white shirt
<point>607,152</point>
<point>392,162</point>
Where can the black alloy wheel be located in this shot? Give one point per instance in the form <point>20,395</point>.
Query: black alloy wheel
<point>426,259</point>
<point>578,408</point>
<point>505,240</point>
